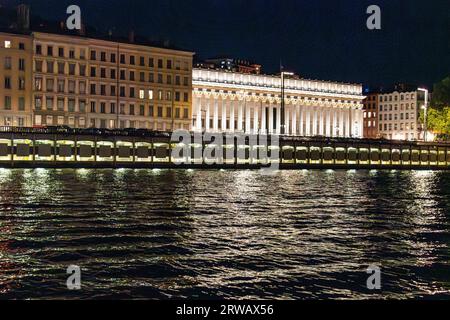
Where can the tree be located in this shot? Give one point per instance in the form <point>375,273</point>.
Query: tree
<point>441,94</point>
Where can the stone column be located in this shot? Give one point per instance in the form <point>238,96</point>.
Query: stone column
<point>335,123</point>
<point>247,117</point>
<point>294,120</point>
<point>232,103</point>
<point>308,123</point>
<point>263,118</point>
<point>270,118</point>
<point>328,122</point>
<point>240,114</point>
<point>341,123</point>
<point>301,126</point>
<point>287,120</point>
<point>278,128</point>
<point>208,114</point>
<point>216,114</point>
<point>224,114</point>
<point>256,117</point>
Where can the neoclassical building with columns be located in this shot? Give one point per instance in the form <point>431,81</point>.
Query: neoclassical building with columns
<point>236,102</point>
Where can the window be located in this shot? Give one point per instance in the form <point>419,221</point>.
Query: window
<point>38,103</point>
<point>22,64</point>
<point>151,77</point>
<point>38,49</point>
<point>82,106</point>
<point>169,79</point>
<point>93,88</point>
<point>122,91</point>
<point>186,113</point>
<point>21,104</point>
<point>142,76</point>
<point>160,112</point>
<point>150,111</point>
<point>60,104</point>
<point>122,108</point>
<point>151,62</point>
<point>61,67</point>
<point>82,54</point>
<point>177,113</point>
<point>122,74</point>
<point>142,110</point>
<point>177,96</point>
<point>142,61</point>
<point>93,72</point>
<point>49,85</point>
<point>50,51</point>
<point>160,78</point>
<point>185,97</point>
<point>71,54</point>
<point>141,94</point>
<point>131,109</point>
<point>38,66</point>
<point>132,93</point>
<point>132,60</point>
<point>102,107</point>
<point>7,103</point>
<point>61,85</point>
<point>112,108</point>
<point>160,63</point>
<point>7,83</point>
<point>122,59</point>
<point>93,55</point>
<point>103,90</point>
<point>113,73</point>
<point>8,63</point>
<point>38,84</point>
<point>113,58</point>
<point>71,86</point>
<point>72,69</point>
<point>49,103</point>
<point>169,64</point>
<point>160,95</point>
<point>131,75</point>
<point>103,56</point>
<point>103,72</point>
<point>7,44</point>
<point>82,70</point>
<point>82,87</point>
<point>50,66</point>
<point>169,96</point>
<point>92,106</point>
<point>61,52</point>
<point>113,90</point>
<point>150,94</point>
<point>21,46</point>
<point>168,112</point>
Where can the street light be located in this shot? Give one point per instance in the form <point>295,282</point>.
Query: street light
<point>283,118</point>
<point>425,118</point>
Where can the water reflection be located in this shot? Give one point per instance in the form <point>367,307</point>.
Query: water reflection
<point>232,234</point>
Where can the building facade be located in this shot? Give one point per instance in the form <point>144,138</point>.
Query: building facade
<point>236,102</point>
<point>371,116</point>
<point>399,115</point>
<point>16,80</point>
<point>84,82</point>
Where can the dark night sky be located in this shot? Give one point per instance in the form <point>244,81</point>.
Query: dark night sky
<point>321,39</point>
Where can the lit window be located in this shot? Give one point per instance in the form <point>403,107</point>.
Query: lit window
<point>7,44</point>
<point>150,94</point>
<point>141,94</point>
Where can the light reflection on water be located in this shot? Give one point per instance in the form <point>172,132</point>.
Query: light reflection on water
<point>224,234</point>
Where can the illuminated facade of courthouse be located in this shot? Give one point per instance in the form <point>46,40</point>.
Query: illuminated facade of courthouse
<point>236,102</point>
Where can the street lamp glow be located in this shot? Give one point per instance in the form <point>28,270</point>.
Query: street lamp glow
<point>425,118</point>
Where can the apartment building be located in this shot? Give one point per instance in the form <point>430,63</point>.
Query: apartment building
<point>370,107</point>
<point>399,113</point>
<point>86,82</point>
<point>15,80</point>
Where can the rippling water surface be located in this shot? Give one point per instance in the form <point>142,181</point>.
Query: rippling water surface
<point>224,234</point>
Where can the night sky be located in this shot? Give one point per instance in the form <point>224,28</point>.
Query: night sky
<point>320,39</point>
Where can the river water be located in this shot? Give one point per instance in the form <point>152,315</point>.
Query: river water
<point>166,234</point>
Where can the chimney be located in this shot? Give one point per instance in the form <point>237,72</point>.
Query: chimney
<point>131,36</point>
<point>23,17</point>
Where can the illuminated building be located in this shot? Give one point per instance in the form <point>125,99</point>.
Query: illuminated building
<point>237,102</point>
<point>399,112</point>
<point>371,116</point>
<point>83,82</point>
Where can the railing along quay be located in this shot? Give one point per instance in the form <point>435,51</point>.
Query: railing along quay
<point>61,147</point>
